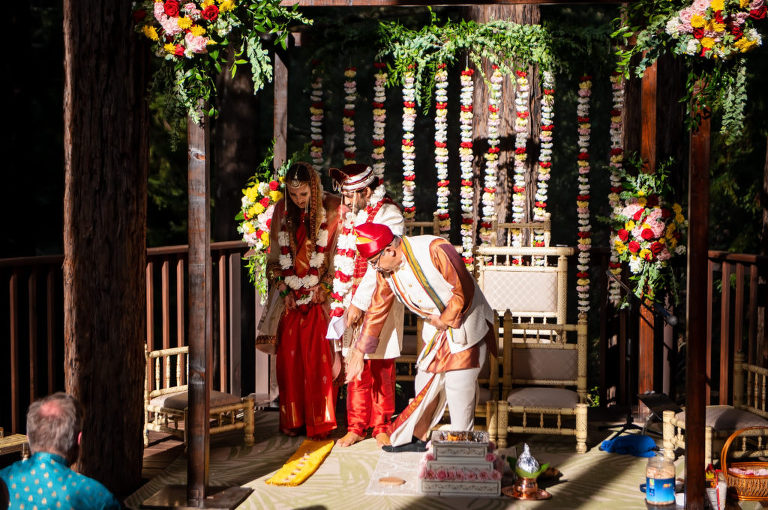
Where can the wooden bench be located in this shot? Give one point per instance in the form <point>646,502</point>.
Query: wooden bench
<point>13,444</point>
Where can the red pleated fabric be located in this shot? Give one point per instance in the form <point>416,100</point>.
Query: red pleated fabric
<point>304,361</point>
<point>371,400</point>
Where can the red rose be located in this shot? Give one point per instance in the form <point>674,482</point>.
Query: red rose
<point>656,248</point>
<point>758,13</point>
<point>269,223</point>
<point>171,8</point>
<point>139,14</point>
<point>210,13</point>
<point>719,17</point>
<point>648,256</point>
<point>265,202</point>
<point>623,235</point>
<point>179,51</point>
<point>647,234</point>
<point>698,33</point>
<point>638,215</point>
<point>273,185</point>
<point>634,246</point>
<point>737,32</point>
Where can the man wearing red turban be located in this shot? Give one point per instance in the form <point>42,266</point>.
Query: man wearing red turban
<point>427,275</point>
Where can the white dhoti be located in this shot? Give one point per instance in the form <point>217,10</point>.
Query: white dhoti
<point>455,388</point>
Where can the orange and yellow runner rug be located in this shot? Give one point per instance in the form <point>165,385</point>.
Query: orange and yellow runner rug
<point>303,463</point>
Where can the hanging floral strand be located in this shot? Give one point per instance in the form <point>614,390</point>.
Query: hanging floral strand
<point>491,160</point>
<point>616,163</point>
<point>379,118</point>
<point>521,154</point>
<point>467,174</point>
<point>545,157</point>
<point>316,114</point>
<point>582,200</point>
<point>350,98</point>
<point>409,121</point>
<point>441,149</point>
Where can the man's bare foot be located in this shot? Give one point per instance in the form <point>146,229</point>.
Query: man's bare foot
<point>382,439</point>
<point>349,439</point>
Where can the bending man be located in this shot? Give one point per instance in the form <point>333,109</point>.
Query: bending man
<point>427,275</point>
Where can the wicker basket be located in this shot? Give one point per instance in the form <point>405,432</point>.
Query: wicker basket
<point>748,487</point>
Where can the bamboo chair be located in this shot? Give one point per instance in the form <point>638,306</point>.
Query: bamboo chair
<point>722,420</point>
<point>166,399</point>
<point>506,232</point>
<point>544,386</point>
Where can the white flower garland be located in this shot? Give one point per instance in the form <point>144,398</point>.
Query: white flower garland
<point>316,115</point>
<point>379,118</point>
<point>521,154</point>
<point>302,285</point>
<point>350,97</point>
<point>441,149</point>
<point>582,201</point>
<point>346,252</point>
<point>467,173</point>
<point>491,159</point>
<point>545,157</point>
<point>409,155</point>
<point>616,162</point>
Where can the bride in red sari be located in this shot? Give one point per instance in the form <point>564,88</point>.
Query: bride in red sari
<point>300,264</point>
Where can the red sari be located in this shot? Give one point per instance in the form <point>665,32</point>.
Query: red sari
<point>305,359</point>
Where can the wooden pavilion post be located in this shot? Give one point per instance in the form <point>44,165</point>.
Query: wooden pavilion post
<point>696,321</point>
<point>646,359</point>
<point>200,329</point>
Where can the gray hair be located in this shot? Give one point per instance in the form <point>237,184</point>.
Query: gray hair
<point>54,424</point>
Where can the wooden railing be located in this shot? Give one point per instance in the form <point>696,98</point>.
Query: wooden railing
<point>33,338</point>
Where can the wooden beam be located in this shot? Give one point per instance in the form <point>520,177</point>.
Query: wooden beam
<point>696,380</point>
<point>444,3</point>
<point>280,115</point>
<point>199,227</point>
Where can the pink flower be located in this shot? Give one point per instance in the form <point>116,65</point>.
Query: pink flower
<point>431,474</point>
<point>196,44</point>
<point>700,6</point>
<point>685,16</point>
<point>441,474</point>
<point>490,457</point>
<point>159,11</point>
<point>664,255</point>
<point>497,475</point>
<point>631,209</point>
<point>170,25</point>
<point>429,456</point>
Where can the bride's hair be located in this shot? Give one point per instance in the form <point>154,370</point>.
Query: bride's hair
<point>302,173</point>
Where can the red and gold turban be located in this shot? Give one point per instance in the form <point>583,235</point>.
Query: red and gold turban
<point>372,238</point>
<point>352,177</point>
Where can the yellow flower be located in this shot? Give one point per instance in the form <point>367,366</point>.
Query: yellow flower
<point>265,238</point>
<point>197,30</point>
<point>644,253</point>
<point>251,193</point>
<point>698,21</point>
<point>707,42</point>
<point>672,243</point>
<point>641,193</point>
<point>641,202</point>
<point>743,4</point>
<point>227,5</point>
<point>717,5</point>
<point>184,23</point>
<point>248,227</point>
<point>629,225</point>
<point>677,208</point>
<point>206,3</point>
<point>275,195</point>
<point>671,229</point>
<point>744,44</point>
<point>620,248</point>
<point>170,48</point>
<point>258,208</point>
<point>150,32</point>
<point>718,27</point>
<point>679,218</point>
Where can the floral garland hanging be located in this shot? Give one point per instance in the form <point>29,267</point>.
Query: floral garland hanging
<point>545,157</point>
<point>409,155</point>
<point>491,159</point>
<point>316,116</point>
<point>379,118</point>
<point>521,154</point>
<point>301,286</point>
<point>441,149</point>
<point>467,173</point>
<point>350,97</point>
<point>582,200</point>
<point>616,164</point>
<point>344,266</point>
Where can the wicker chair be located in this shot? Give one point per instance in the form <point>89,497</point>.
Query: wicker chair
<point>722,420</point>
<point>544,383</point>
<point>166,397</point>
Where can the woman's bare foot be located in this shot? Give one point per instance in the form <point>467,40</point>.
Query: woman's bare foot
<point>349,439</point>
<point>382,439</point>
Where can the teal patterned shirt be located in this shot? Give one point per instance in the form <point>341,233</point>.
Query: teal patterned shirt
<point>45,481</point>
